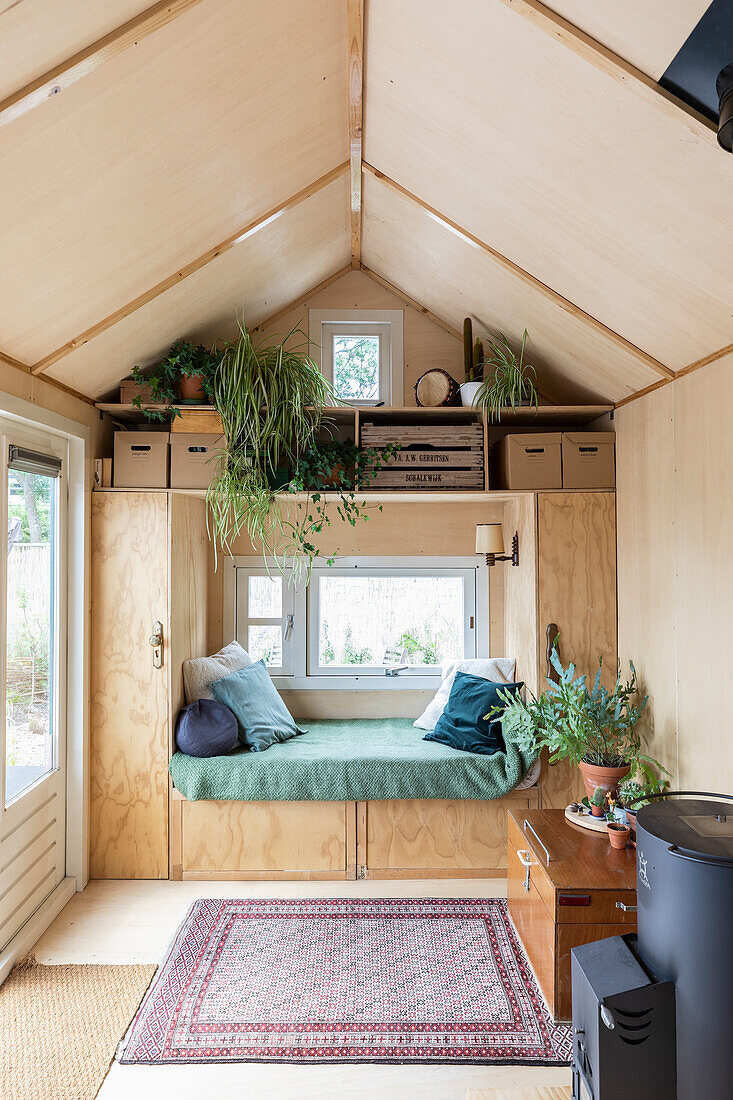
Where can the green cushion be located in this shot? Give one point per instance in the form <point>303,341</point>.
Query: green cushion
<point>352,760</point>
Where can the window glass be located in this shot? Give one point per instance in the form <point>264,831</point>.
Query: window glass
<point>356,367</point>
<point>264,643</point>
<point>30,742</point>
<point>265,597</point>
<point>362,617</point>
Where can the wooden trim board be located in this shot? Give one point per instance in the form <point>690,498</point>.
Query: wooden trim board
<point>189,269</point>
<point>355,83</point>
<point>86,61</point>
<point>526,276</point>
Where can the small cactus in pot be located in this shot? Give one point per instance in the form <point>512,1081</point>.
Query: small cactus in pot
<point>597,801</point>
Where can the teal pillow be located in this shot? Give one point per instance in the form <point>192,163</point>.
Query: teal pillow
<point>462,724</point>
<point>262,717</point>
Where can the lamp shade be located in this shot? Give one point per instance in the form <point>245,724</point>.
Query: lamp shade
<point>489,538</point>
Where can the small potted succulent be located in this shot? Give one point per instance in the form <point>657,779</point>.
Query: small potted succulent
<point>597,801</point>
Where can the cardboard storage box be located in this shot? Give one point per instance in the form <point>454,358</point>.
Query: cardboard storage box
<point>529,461</point>
<point>588,460</point>
<point>141,460</point>
<point>193,459</point>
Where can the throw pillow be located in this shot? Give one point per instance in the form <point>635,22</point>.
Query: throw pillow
<point>462,724</point>
<point>261,714</point>
<point>200,673</point>
<point>206,728</point>
<point>499,669</point>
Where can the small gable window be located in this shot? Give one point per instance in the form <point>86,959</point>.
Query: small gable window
<point>360,353</point>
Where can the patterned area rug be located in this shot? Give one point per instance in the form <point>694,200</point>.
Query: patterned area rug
<point>428,980</point>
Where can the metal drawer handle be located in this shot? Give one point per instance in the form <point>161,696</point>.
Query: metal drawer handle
<point>534,834</point>
<point>526,860</point>
<point>627,908</point>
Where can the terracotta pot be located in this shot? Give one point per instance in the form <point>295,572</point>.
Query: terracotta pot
<point>191,389</point>
<point>596,811</point>
<point>607,779</point>
<point>618,834</point>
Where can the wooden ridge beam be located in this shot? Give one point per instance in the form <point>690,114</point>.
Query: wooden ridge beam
<point>613,65</point>
<point>355,86</point>
<point>189,269</point>
<point>303,298</point>
<point>91,58</point>
<point>526,277</point>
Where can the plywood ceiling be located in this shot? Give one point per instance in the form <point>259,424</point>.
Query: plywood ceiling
<point>515,170</point>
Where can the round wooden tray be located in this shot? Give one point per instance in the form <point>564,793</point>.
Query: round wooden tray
<point>586,821</point>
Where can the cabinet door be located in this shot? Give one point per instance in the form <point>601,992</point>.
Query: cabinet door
<point>577,591</point>
<point>129,697</point>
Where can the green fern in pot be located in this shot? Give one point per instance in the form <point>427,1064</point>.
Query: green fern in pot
<point>509,382</point>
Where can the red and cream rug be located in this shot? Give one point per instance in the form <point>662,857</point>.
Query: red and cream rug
<point>428,980</point>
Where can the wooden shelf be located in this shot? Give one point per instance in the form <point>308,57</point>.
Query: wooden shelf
<point>545,415</point>
<point>382,496</point>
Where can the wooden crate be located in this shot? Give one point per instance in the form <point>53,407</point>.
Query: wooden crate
<point>433,456</point>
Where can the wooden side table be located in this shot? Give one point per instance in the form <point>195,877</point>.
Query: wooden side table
<point>563,886</point>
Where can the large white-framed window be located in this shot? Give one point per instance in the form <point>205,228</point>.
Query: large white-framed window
<point>356,620</point>
<point>361,353</point>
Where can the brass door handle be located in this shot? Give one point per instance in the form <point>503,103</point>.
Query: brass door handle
<point>156,641</point>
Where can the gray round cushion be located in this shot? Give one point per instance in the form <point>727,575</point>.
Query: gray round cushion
<point>206,728</point>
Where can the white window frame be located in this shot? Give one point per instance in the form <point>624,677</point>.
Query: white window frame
<point>388,324</point>
<point>301,604</point>
<point>293,636</point>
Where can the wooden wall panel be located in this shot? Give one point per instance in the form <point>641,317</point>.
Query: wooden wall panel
<point>577,591</point>
<point>704,533</point>
<point>574,361</point>
<point>547,186</point>
<point>188,546</point>
<point>521,629</point>
<point>645,483</point>
<point>440,837</point>
<point>128,820</point>
<point>163,168</point>
<point>264,836</point>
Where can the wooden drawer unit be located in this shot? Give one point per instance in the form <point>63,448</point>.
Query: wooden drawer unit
<point>563,883</point>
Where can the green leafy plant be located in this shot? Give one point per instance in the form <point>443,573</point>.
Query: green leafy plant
<point>336,467</point>
<point>473,354</point>
<point>512,382</point>
<point>577,723</point>
<point>184,360</point>
<point>632,795</point>
<point>598,798</point>
<point>270,399</point>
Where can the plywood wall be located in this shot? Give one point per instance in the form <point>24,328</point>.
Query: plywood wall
<point>675,470</point>
<point>426,345</point>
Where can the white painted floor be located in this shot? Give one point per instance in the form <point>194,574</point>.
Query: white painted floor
<point>126,922</point>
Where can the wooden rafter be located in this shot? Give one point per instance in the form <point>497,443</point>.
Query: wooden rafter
<point>642,393</point>
<point>531,280</point>
<point>355,85</point>
<point>613,65</point>
<point>189,269</point>
<point>9,361</point>
<point>89,59</point>
<point>711,358</point>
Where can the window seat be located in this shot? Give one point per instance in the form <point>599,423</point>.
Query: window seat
<point>350,760</point>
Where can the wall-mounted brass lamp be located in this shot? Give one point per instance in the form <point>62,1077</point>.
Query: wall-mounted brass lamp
<point>490,542</point>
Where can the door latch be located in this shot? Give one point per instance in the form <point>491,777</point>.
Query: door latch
<point>156,641</point>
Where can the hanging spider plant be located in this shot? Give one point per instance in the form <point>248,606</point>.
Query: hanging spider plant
<point>512,383</point>
<point>270,399</point>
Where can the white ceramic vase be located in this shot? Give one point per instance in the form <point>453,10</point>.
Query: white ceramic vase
<point>468,393</point>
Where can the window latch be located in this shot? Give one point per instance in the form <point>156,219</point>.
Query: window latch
<point>289,624</point>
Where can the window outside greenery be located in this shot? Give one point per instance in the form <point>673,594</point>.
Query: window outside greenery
<point>356,367</point>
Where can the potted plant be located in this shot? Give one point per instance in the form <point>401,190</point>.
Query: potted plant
<point>473,354</point>
<point>184,376</point>
<point>512,384</point>
<point>633,795</point>
<point>593,727</point>
<point>618,834</point>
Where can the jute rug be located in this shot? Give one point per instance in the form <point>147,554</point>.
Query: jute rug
<point>60,1026</point>
<point>396,980</point>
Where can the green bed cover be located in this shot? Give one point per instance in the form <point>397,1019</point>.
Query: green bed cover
<point>353,760</point>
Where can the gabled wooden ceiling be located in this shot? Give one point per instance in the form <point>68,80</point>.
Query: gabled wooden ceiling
<point>513,163</point>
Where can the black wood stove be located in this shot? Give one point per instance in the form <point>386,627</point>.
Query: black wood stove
<point>651,1012</point>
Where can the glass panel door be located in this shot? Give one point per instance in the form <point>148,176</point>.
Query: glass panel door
<point>31,728</point>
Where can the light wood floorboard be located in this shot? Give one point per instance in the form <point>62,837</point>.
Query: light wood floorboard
<point>133,921</point>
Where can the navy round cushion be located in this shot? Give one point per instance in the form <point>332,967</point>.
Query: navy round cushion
<point>206,728</point>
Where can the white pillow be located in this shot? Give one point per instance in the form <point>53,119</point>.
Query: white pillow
<point>500,670</point>
<point>200,672</point>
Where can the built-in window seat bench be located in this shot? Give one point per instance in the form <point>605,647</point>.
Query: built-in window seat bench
<point>364,798</point>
